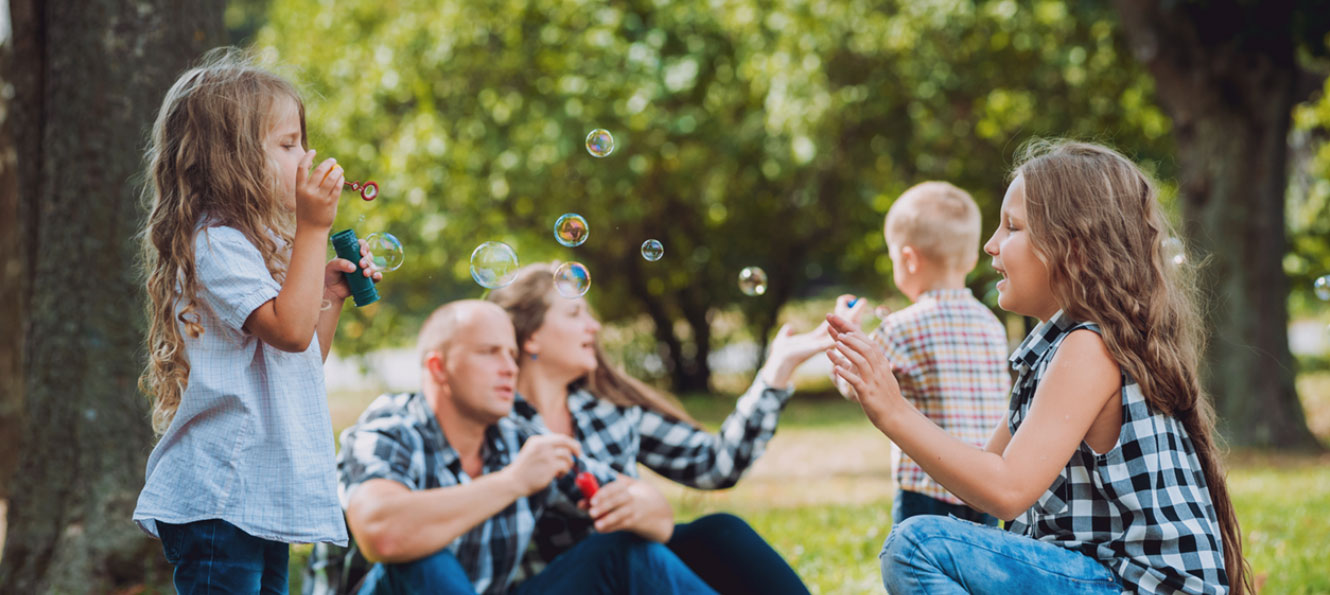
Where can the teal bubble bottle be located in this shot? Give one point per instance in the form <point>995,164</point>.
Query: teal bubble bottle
<point>362,287</point>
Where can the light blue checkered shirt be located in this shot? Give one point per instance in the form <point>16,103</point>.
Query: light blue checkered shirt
<point>251,443</point>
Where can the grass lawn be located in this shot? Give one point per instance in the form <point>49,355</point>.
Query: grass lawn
<point>821,495</point>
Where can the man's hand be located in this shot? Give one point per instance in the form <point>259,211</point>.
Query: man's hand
<point>542,459</point>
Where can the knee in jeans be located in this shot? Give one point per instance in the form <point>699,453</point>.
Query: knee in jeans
<point>722,522</point>
<point>910,534</point>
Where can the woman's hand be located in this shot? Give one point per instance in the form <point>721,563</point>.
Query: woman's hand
<point>861,364</point>
<point>335,287</point>
<point>788,350</point>
<point>628,504</point>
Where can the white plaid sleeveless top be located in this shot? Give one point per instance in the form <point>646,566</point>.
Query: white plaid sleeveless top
<point>1143,508</point>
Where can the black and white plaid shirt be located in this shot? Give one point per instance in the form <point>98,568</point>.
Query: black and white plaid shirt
<point>624,436</point>
<point>1143,508</point>
<point>399,439</point>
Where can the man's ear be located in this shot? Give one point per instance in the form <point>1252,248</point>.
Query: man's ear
<point>436,367</point>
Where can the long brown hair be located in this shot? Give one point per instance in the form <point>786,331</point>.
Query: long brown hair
<point>527,300</point>
<point>1100,214</point>
<point>207,163</point>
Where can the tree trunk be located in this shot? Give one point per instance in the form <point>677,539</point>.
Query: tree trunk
<point>90,76</point>
<point>13,257</point>
<point>1230,95</point>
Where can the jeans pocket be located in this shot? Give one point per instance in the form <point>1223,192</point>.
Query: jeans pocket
<point>170,536</point>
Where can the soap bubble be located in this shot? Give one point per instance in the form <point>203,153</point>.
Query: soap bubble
<point>386,250</point>
<point>1174,251</point>
<point>571,230</point>
<point>572,279</point>
<point>652,250</point>
<point>493,265</point>
<point>1322,287</point>
<point>599,143</point>
<point>753,281</point>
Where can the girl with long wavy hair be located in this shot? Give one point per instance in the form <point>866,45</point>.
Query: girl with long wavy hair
<point>1105,466</point>
<point>567,384</point>
<point>241,311</point>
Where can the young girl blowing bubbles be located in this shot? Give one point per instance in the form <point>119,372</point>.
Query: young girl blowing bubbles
<point>242,310</point>
<point>1105,466</point>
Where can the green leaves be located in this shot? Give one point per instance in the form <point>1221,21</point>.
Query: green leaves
<point>772,134</point>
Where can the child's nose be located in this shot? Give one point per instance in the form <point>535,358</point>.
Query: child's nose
<point>991,246</point>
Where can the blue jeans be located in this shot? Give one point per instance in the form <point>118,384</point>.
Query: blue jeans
<point>214,556</point>
<point>934,554</point>
<point>910,504</point>
<point>732,558</point>
<point>609,563</point>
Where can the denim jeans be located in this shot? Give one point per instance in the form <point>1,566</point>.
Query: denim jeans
<point>214,556</point>
<point>934,554</point>
<point>616,563</point>
<point>732,558</point>
<point>910,504</point>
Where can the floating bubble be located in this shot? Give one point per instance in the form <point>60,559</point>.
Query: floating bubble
<point>753,281</point>
<point>570,229</point>
<point>572,279</point>
<point>599,143</point>
<point>386,250</point>
<point>493,265</point>
<point>1174,251</point>
<point>882,312</point>
<point>1322,287</point>
<point>652,250</point>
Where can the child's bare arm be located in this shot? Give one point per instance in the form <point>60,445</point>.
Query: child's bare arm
<point>1079,382</point>
<point>288,321</point>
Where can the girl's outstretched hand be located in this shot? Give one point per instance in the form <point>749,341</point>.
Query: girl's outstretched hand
<point>317,191</point>
<point>334,283</point>
<point>860,363</point>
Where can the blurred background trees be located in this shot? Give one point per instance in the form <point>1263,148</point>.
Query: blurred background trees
<point>767,134</point>
<point>772,134</point>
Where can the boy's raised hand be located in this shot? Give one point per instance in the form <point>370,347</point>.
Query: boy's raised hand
<point>317,191</point>
<point>862,365</point>
<point>851,309</point>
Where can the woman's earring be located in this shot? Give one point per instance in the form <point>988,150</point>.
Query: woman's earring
<point>534,356</point>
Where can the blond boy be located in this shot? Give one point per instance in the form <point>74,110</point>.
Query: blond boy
<point>948,350</point>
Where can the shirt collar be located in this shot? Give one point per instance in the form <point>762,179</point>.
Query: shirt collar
<point>945,295</point>
<point>1038,342</point>
<point>494,449</point>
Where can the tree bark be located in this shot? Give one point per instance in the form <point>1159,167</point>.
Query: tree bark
<point>91,75</point>
<point>13,277</point>
<point>1227,77</point>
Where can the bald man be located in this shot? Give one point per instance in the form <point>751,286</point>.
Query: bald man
<point>442,489</point>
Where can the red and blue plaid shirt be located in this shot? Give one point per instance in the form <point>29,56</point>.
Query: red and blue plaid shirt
<point>949,353</point>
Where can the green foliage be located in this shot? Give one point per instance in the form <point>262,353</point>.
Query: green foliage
<point>748,133</point>
<point>1308,206</point>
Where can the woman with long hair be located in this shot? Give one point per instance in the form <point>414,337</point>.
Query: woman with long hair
<point>566,384</point>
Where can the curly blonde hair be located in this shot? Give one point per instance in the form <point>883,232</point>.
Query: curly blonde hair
<point>1100,214</point>
<point>206,163</point>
